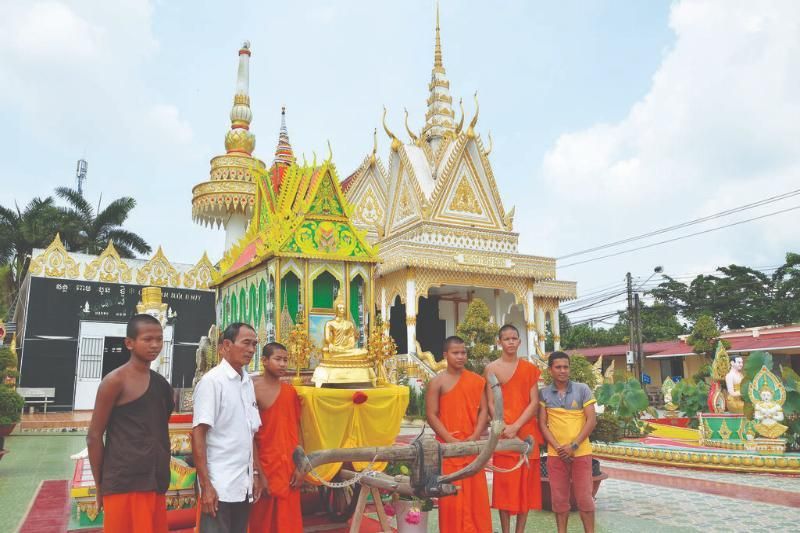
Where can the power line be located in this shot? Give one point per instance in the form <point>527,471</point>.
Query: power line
<point>700,220</point>
<point>666,241</point>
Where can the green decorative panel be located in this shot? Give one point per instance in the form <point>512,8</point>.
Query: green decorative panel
<point>323,290</point>
<point>325,237</point>
<point>234,309</point>
<point>244,311</point>
<point>290,294</point>
<point>356,285</point>
<point>326,202</point>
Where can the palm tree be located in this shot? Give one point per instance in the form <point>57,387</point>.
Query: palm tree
<point>90,232</point>
<point>22,230</point>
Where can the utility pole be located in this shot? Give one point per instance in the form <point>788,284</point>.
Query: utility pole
<point>631,329</point>
<point>637,309</point>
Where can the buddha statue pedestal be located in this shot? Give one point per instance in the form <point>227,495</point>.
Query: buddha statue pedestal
<point>343,364</point>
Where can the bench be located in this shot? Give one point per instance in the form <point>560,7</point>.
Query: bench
<point>39,396</point>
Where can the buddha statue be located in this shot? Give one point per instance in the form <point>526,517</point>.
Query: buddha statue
<point>343,363</point>
<point>666,390</point>
<point>733,382</point>
<point>341,337</point>
<point>769,415</point>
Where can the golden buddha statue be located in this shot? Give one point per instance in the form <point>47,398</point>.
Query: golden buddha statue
<point>343,363</point>
<point>733,383</point>
<point>341,337</point>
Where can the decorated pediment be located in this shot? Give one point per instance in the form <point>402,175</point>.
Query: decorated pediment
<point>406,205</point>
<point>466,192</point>
<point>109,267</point>
<point>55,262</point>
<point>200,275</point>
<point>158,271</point>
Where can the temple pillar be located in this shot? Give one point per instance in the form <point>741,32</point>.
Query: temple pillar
<point>235,228</point>
<point>498,312</point>
<point>556,327</point>
<point>384,314</point>
<point>540,319</point>
<point>530,324</point>
<point>411,314</point>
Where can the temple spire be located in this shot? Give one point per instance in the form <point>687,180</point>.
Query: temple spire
<point>239,139</point>
<point>283,152</point>
<point>440,117</point>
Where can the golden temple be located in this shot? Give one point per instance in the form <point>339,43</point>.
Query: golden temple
<point>416,239</point>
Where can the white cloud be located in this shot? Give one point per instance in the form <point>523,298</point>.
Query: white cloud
<point>718,128</point>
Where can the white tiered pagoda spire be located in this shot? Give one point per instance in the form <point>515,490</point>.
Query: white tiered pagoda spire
<point>439,119</point>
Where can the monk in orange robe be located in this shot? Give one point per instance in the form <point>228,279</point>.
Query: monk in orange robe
<point>456,409</point>
<point>278,509</point>
<point>516,492</point>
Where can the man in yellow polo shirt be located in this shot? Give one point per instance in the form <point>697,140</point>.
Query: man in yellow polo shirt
<point>566,418</point>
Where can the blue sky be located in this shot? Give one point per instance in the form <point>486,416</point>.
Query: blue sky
<point>609,118</point>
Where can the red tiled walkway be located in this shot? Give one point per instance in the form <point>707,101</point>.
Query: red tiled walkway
<point>49,511</point>
<point>730,490</point>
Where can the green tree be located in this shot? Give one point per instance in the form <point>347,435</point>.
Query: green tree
<point>89,231</point>
<point>704,336</point>
<point>22,230</point>
<point>739,297</point>
<point>479,333</point>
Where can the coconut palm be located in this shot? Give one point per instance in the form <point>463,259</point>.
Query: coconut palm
<point>89,231</point>
<point>22,230</point>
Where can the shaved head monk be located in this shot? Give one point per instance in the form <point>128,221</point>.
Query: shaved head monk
<point>131,470</point>
<point>456,409</point>
<point>517,491</point>
<point>279,408</point>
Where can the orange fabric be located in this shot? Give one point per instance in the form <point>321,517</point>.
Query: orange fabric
<point>521,490</point>
<point>467,511</point>
<point>135,512</point>
<point>279,511</point>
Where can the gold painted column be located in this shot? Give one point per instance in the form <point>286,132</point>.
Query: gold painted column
<point>555,327</point>
<point>540,320</point>
<point>411,313</point>
<point>530,322</point>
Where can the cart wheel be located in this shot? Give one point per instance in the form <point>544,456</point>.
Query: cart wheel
<point>340,503</point>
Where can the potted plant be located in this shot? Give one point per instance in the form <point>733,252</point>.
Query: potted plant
<point>11,405</point>
<point>411,513</point>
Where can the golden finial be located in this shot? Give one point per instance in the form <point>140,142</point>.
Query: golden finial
<point>460,122</point>
<point>374,155</point>
<point>491,145</point>
<point>437,53</point>
<point>410,133</point>
<point>474,121</point>
<point>330,152</point>
<point>395,141</point>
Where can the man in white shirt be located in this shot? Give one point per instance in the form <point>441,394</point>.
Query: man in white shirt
<point>224,422</point>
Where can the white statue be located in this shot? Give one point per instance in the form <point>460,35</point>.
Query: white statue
<point>733,382</point>
<point>769,415</point>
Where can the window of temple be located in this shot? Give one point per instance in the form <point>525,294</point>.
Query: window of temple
<point>324,291</point>
<point>290,294</point>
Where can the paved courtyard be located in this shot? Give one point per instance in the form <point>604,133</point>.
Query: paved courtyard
<point>635,498</point>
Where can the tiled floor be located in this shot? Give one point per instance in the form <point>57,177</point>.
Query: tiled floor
<point>32,459</point>
<point>640,498</point>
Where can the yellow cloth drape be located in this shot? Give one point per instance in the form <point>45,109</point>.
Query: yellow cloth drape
<point>330,419</point>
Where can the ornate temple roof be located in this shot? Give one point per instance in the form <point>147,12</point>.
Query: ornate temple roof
<point>441,208</point>
<point>307,216</point>
<point>231,187</point>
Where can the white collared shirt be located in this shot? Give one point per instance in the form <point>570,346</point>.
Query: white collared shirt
<point>226,402</point>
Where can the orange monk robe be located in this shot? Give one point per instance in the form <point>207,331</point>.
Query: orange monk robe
<point>519,491</point>
<point>467,511</point>
<point>135,512</point>
<point>279,511</point>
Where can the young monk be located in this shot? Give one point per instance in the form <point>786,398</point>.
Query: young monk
<point>516,492</point>
<point>456,408</point>
<point>131,470</point>
<point>278,510</point>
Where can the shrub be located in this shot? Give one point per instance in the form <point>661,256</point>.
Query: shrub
<point>608,428</point>
<point>580,371</point>
<point>691,398</point>
<point>627,400</point>
<point>11,405</point>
